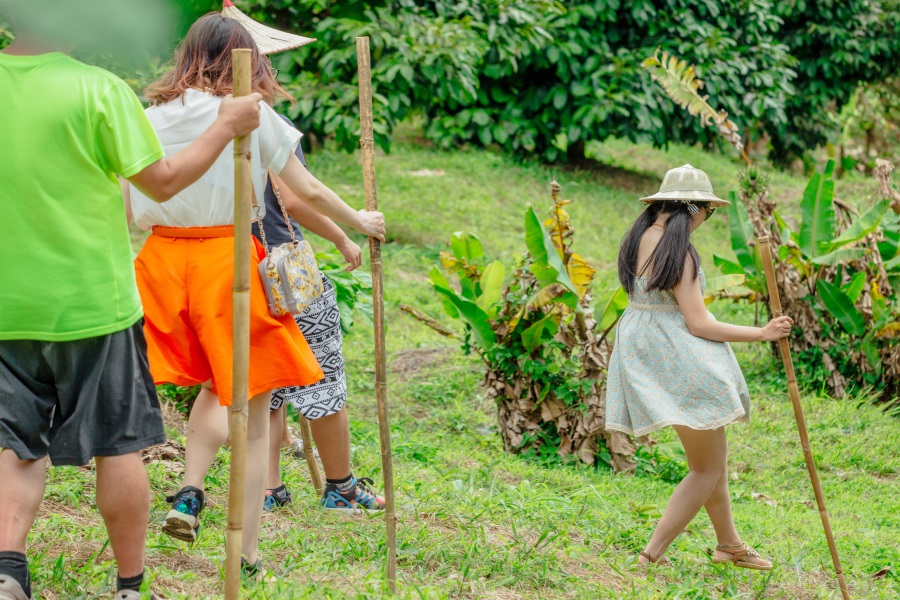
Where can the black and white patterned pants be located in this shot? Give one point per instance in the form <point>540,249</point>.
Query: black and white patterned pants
<point>321,326</point>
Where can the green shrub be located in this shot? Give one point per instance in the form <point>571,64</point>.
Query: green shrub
<point>541,78</point>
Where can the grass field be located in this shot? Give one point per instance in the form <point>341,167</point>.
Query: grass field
<point>475,522</point>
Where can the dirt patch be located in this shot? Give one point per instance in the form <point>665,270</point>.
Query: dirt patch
<point>408,363</point>
<point>173,419</point>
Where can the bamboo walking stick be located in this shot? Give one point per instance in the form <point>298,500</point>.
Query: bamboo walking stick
<point>367,145</point>
<point>310,454</point>
<point>243,190</point>
<point>785,348</point>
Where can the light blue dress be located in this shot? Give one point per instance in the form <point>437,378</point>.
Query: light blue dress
<point>660,374</point>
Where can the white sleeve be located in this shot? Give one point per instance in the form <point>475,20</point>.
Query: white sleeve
<point>277,139</point>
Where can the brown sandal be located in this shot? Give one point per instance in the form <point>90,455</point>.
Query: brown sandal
<point>742,556</point>
<point>661,561</point>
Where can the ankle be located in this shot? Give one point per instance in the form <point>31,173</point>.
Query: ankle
<point>130,583</point>
<point>344,485</point>
<point>15,566</point>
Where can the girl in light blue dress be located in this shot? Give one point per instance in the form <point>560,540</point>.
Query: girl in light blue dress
<point>672,365</point>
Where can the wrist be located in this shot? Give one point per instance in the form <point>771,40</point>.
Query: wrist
<point>360,222</point>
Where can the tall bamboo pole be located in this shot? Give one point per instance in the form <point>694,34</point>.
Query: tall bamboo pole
<point>310,454</point>
<point>243,190</point>
<point>367,145</point>
<point>785,348</point>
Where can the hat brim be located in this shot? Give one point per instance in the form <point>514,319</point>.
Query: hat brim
<point>269,40</point>
<point>688,196</point>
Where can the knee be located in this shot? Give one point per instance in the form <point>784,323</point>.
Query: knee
<point>712,470</point>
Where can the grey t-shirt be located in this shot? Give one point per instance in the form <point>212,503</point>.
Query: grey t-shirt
<point>276,229</point>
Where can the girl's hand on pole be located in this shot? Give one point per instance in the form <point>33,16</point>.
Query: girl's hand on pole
<point>371,223</point>
<point>240,115</point>
<point>351,253</point>
<point>776,329</point>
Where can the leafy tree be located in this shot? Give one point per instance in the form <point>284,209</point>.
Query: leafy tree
<point>838,45</point>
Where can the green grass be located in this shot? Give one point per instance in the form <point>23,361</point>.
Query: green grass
<point>475,522</point>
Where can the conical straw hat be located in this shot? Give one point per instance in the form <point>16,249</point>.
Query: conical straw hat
<point>687,184</point>
<point>268,39</point>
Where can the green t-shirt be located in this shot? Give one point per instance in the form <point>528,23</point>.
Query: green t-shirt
<point>66,130</point>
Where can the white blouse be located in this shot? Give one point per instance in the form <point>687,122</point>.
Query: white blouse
<point>210,201</point>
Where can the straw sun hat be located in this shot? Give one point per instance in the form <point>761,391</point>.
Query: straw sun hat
<point>268,39</point>
<point>688,185</point>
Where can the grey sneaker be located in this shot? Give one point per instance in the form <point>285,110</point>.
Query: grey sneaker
<point>10,589</point>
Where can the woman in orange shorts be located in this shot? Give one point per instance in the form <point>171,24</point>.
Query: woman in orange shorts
<point>184,272</point>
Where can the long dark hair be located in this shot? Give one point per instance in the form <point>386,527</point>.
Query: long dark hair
<point>667,259</point>
<point>203,60</point>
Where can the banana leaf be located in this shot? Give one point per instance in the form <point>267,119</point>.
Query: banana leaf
<point>440,283</point>
<point>742,235</point>
<point>466,246</point>
<point>474,317</point>
<point>860,228</point>
<point>611,307</point>
<point>547,266</point>
<point>491,288</point>
<point>855,286</point>
<point>728,267</point>
<point>817,210</point>
<point>839,256</point>
<point>841,308</point>
<point>540,331</point>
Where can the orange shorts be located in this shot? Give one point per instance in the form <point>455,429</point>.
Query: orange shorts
<point>185,278</point>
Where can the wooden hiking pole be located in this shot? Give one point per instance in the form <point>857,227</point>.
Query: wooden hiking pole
<point>785,348</point>
<point>310,454</point>
<point>367,145</point>
<point>237,418</point>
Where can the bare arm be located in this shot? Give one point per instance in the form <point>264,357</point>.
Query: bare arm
<point>126,196</point>
<point>165,178</point>
<point>701,324</point>
<point>324,201</point>
<point>321,225</point>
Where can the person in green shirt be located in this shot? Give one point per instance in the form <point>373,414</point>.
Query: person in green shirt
<point>74,377</point>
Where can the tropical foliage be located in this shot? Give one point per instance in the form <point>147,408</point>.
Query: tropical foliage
<point>542,78</point>
<point>544,342</point>
<point>839,279</point>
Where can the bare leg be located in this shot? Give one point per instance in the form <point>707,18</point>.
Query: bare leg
<point>207,432</point>
<point>718,507</point>
<point>123,497</point>
<point>332,436</point>
<point>257,472</point>
<point>276,434</point>
<point>20,498</point>
<point>707,456</point>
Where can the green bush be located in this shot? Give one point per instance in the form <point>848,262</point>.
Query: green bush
<point>541,78</point>
<point>838,275</point>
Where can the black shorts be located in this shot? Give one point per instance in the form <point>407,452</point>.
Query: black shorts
<point>79,399</point>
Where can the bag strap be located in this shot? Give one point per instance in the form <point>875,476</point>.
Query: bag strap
<point>259,221</point>
<point>287,219</point>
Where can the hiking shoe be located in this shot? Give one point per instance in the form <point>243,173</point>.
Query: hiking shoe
<point>10,589</point>
<point>360,496</point>
<point>133,595</point>
<point>183,521</point>
<point>277,498</point>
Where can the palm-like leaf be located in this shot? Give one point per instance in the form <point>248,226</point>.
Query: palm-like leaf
<point>680,82</point>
